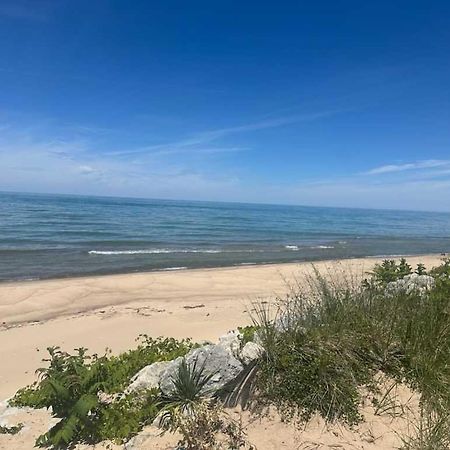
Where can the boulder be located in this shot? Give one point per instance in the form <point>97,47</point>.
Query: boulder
<point>409,284</point>
<point>148,377</point>
<point>214,359</point>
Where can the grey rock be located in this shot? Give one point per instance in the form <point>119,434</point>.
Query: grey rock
<point>143,439</point>
<point>251,352</point>
<point>7,411</point>
<point>215,360</point>
<point>148,377</point>
<point>409,284</point>
<point>231,342</point>
<point>221,360</point>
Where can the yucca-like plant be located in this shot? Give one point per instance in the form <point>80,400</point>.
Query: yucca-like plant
<point>189,389</point>
<point>199,418</point>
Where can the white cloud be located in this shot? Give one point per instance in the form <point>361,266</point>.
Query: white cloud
<point>28,164</point>
<point>65,166</point>
<point>192,143</point>
<point>87,169</point>
<point>417,165</point>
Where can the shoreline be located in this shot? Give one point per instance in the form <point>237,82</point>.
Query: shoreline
<point>125,276</point>
<point>112,311</point>
<point>216,267</point>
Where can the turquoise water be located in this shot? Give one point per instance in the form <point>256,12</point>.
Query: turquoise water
<point>45,236</point>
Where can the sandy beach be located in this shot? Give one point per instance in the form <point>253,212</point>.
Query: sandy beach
<point>111,311</point>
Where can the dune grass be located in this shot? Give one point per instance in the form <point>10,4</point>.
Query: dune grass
<point>332,336</point>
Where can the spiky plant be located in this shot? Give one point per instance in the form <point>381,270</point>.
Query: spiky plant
<point>189,389</point>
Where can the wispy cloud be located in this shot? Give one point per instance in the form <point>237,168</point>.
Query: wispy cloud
<point>206,137</point>
<point>32,164</point>
<point>70,163</point>
<point>272,123</point>
<point>417,165</point>
<point>199,151</point>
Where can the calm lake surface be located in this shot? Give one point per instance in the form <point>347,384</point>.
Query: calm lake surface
<point>46,236</point>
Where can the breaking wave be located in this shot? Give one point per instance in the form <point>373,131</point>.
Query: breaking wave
<point>150,252</point>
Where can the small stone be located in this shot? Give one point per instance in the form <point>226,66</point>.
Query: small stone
<point>231,342</point>
<point>251,352</point>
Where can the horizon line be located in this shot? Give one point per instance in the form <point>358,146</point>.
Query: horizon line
<point>254,203</point>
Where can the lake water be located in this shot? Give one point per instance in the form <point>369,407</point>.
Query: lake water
<point>46,236</point>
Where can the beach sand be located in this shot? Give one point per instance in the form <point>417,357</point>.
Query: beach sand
<point>111,311</point>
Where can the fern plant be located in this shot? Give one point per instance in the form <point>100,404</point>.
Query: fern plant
<point>71,386</point>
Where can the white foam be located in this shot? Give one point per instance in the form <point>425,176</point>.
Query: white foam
<point>292,247</point>
<point>175,268</point>
<point>149,252</point>
<point>123,252</point>
<point>323,246</point>
<point>168,251</point>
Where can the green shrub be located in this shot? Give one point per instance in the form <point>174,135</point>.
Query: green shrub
<point>248,333</point>
<point>72,386</point>
<point>389,270</point>
<point>125,417</point>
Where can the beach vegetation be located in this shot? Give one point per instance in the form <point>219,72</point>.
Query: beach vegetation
<point>326,345</point>
<point>189,384</point>
<point>329,342</point>
<point>197,416</point>
<point>390,270</point>
<point>85,392</point>
<point>247,333</point>
<point>430,432</point>
<point>208,426</point>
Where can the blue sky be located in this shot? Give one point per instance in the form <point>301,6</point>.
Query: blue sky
<point>339,103</point>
